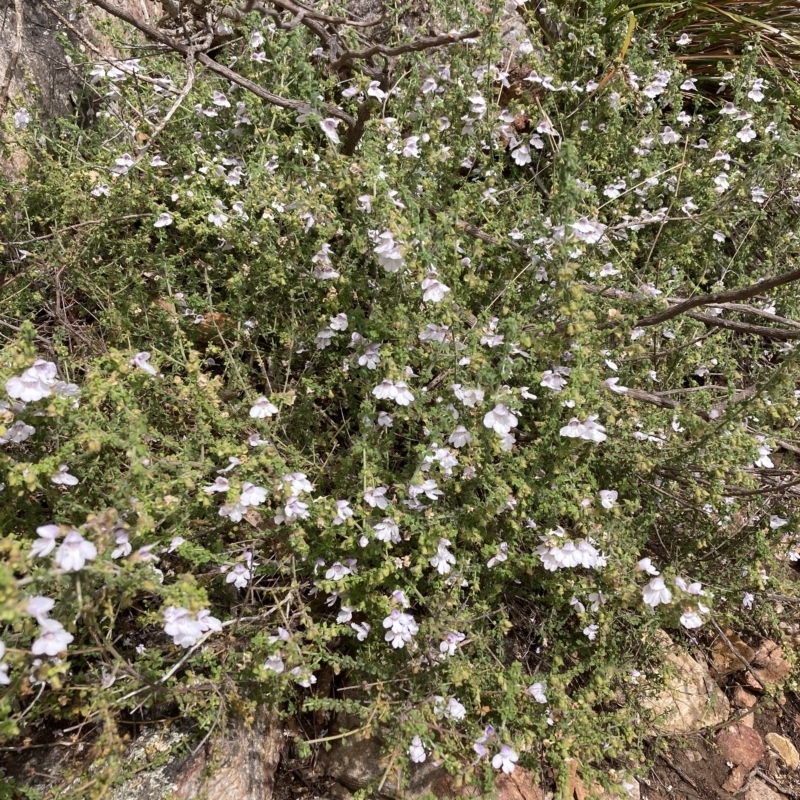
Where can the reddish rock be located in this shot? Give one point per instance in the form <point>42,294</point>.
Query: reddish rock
<point>736,779</point>
<point>769,663</point>
<point>741,745</point>
<point>519,785</point>
<point>743,699</point>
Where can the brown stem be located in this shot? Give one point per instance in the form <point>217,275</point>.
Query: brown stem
<point>12,61</point>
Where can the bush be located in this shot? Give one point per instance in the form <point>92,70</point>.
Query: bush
<point>416,419</point>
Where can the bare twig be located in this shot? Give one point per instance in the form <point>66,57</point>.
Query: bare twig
<point>778,334</point>
<point>715,298</point>
<point>425,43</point>
<point>737,654</point>
<point>79,225</point>
<point>208,62</point>
<point>176,105</point>
<point>5,92</point>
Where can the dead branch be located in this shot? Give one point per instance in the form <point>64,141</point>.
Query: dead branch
<point>742,327</point>
<point>12,61</point>
<point>425,43</point>
<point>160,37</point>
<point>715,298</point>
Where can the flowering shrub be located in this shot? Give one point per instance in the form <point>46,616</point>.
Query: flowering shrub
<point>438,417</point>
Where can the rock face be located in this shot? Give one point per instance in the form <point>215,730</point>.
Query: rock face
<point>239,765</point>
<point>691,700</point>
<point>44,77</point>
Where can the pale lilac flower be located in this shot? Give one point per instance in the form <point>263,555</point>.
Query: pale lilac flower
<point>505,759</point>
<point>376,497</point>
<point>590,632</point>
<point>324,269</point>
<point>553,381</point>
<point>589,231</point>
<point>219,485</point>
<point>416,750</point>
<point>683,40</point>
<point>747,600</point>
<point>239,576</point>
<point>613,385</point>
<point>656,593</point>
<point>480,744</point>
<point>389,254</point>
<point>343,512</point>
<point>274,663</point>
<point>451,641</point>
<point>362,630</point>
<point>387,531</point>
<point>34,384</point>
<point>384,420</point>
<point>123,547</point>
<point>218,217</point>
<point>207,622</point>
<point>164,219</point>
<point>74,552</point>
<point>669,136</point>
<point>460,437</point>
<point>608,498</point>
<point>179,624</point>
<point>469,397</point>
<point>17,433</point>
<point>537,691</point>
<point>776,522</point>
<point>263,408</point>
<point>101,190</point>
<point>403,396</point>
<point>252,495</point>
<point>746,134</point>
<point>434,289</point>
<point>53,639</point>
<point>500,419</point>
<point>691,619</point>
<point>443,558</point>
<point>337,571</point>
<point>63,478</point>
<point>22,119</point>
<point>454,710</point>
<point>303,677</point>
<point>428,488</point>
<point>39,607</point>
<point>140,360</point>
<point>328,127</point>
<point>756,94</point>
<point>522,155</point>
<point>47,540</point>
<point>499,557</point>
<point>401,628</point>
<point>175,543</point>
<point>345,614</point>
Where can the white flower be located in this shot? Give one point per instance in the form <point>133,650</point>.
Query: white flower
<point>691,619</point>
<point>217,217</point>
<point>460,437</point>
<point>53,639</point>
<point>401,628</point>
<point>63,478</point>
<point>219,99</point>
<point>454,710</point>
<point>345,614</point>
<point>74,552</point>
<point>683,40</point>
<point>500,419</point>
<point>416,750</point>
<point>589,231</point>
<point>252,495</point>
<point>613,385</point>
<point>179,624</point>
<point>451,641</point>
<point>499,557</point>
<point>746,134</point>
<point>435,290</point>
<point>537,691</point>
<point>384,420</point>
<point>469,397</point>
<point>140,360</point>
<point>34,384</point>
<point>403,395</point>
<point>38,607</point>
<point>328,127</point>
<point>123,547</point>
<point>505,759</point>
<point>22,119</point>
<point>387,531</point>
<point>376,497</point>
<point>343,512</point>
<point>747,600</point>
<point>721,183</point>
<point>656,593</point>
<point>339,322</point>
<point>591,632</point>
<point>522,155</point>
<point>19,432</point>
<point>163,220</point>
<point>608,498</point>
<point>47,540</point>
<point>238,576</point>
<point>389,254</point>
<point>337,571</point>
<point>669,136</point>
<point>646,565</point>
<point>263,408</point>
<point>477,105</point>
<point>362,630</point>
<point>219,485</point>
<point>553,381</point>
<point>443,558</point>
<point>590,429</point>
<point>274,663</point>
<point>324,269</point>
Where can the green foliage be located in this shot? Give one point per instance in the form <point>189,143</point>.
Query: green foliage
<point>550,264</point>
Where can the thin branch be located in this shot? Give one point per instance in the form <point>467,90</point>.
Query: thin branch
<point>778,334</point>
<point>715,298</point>
<point>425,43</point>
<point>176,105</point>
<point>79,225</point>
<point>234,77</point>
<point>5,92</point>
